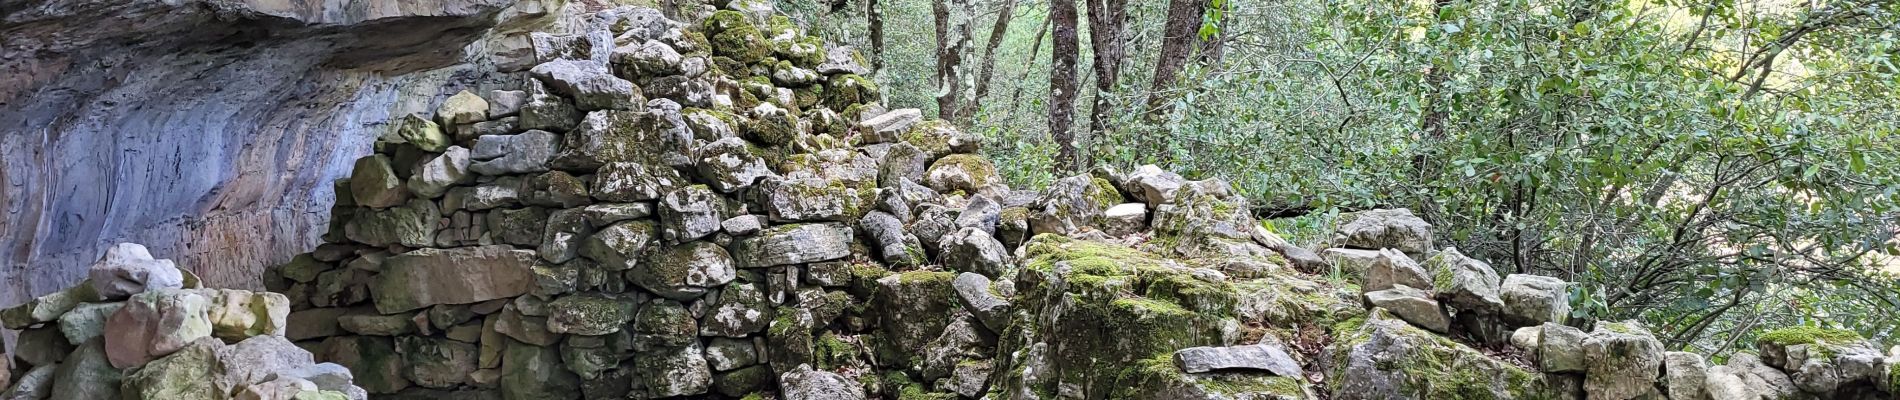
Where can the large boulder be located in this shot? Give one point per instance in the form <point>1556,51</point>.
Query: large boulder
<point>522,153</point>
<point>86,374</point>
<point>1621,362</point>
<point>428,277</point>
<point>155,324</point>
<point>1385,228</point>
<point>128,269</point>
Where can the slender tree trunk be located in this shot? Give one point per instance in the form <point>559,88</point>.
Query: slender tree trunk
<point>1177,42</point>
<point>1035,49</point>
<point>1003,14</point>
<point>1062,84</point>
<point>953,37</point>
<point>875,19</point>
<point>1108,22</point>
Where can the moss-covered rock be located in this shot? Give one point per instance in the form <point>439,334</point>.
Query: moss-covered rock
<point>1110,307</point>
<point>1380,357</point>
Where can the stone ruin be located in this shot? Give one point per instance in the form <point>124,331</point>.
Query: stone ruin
<point>724,209</point>
<point>143,328</point>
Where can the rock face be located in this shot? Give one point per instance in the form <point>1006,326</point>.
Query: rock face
<point>178,154</point>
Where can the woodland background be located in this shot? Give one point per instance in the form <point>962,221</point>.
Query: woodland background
<point>1709,167</point>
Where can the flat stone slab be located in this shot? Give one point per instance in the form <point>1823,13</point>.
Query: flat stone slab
<point>1260,357</point>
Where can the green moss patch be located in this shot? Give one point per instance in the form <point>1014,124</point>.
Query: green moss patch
<point>1806,335</point>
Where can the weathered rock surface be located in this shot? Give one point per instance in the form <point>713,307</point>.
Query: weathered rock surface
<point>429,276</point>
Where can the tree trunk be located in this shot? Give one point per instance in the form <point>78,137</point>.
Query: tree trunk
<point>1062,84</point>
<point>953,36</point>
<point>875,19</point>
<point>1108,22</point>
<point>1003,14</point>
<point>1035,49</point>
<point>1177,42</point>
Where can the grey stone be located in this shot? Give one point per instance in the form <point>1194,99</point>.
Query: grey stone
<point>972,250</point>
<point>1685,375</point>
<point>590,84</point>
<point>522,153</point>
<point>690,213</point>
<point>428,277</point>
<point>896,246</point>
<point>726,354</point>
<point>973,292</point>
<point>373,183</point>
<point>1621,362</point>
<point>803,383</point>
<point>1258,357</point>
<point>1560,348</point>
<point>1392,268</point>
<point>1532,299</point>
<point>886,127</point>
<point>626,182</point>
<point>1386,228</point>
<point>731,164</point>
<point>1412,305</point>
<point>435,176</point>
<point>86,374</point>
<point>1125,219</point>
<point>620,246</point>
<point>128,269</point>
<point>793,244</point>
<point>685,271</point>
<point>743,225</point>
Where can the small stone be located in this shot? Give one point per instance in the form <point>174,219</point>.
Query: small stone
<point>1125,219</point>
<point>726,354</point>
<point>48,308</point>
<point>86,374</point>
<point>422,133</point>
<point>1392,268</point>
<point>128,269</point>
<point>373,183</point>
<point>588,314</point>
<point>626,182</point>
<point>86,321</point>
<point>377,324</point>
<point>971,250</point>
<point>436,363</point>
<point>505,103</point>
<point>973,292</point>
<point>1152,185</point>
<point>548,112</point>
<point>689,213</point>
<point>803,383</point>
<point>741,310</point>
<point>1686,376</point>
<point>154,324</point>
<point>743,225</point>
<point>620,247</point>
<point>436,176</point>
<point>466,108</point>
<point>886,127</point>
<point>731,164</point>
<point>967,173</point>
<point>591,85</point>
<point>1559,348</point>
<point>1532,299</point>
<point>1412,305</point>
<point>684,272</point>
<point>1622,362</point>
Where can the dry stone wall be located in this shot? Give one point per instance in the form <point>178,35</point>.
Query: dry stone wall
<point>719,207</point>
